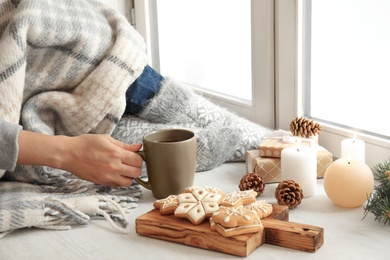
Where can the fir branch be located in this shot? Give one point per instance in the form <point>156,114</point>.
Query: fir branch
<point>380,170</point>
<point>379,203</point>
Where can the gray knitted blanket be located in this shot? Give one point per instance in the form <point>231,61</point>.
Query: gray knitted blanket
<point>65,66</point>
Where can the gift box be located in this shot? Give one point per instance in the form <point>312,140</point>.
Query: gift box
<point>272,147</point>
<point>269,168</point>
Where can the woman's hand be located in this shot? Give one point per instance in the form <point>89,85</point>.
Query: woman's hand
<point>102,159</point>
<point>97,158</point>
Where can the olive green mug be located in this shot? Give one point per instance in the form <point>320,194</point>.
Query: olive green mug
<point>170,157</point>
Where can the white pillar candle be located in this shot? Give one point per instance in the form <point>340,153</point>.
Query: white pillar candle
<point>300,165</point>
<point>353,149</point>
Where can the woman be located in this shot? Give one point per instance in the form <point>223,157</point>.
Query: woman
<point>72,69</point>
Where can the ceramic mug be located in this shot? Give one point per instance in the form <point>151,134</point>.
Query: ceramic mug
<point>170,157</point>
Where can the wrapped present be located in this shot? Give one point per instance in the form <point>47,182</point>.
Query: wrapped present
<point>273,145</point>
<point>270,168</point>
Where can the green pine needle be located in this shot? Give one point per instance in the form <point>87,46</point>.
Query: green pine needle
<point>379,204</point>
<point>380,170</point>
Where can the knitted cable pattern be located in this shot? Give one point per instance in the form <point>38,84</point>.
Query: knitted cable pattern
<point>64,69</point>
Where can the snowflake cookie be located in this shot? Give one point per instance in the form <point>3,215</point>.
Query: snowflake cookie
<point>197,204</point>
<point>168,205</point>
<point>237,198</point>
<point>233,221</point>
<point>207,188</point>
<point>261,207</point>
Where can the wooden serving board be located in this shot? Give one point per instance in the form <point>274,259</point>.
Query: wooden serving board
<point>277,231</point>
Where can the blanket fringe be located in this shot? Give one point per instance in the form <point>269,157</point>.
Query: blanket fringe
<point>62,215</point>
<point>109,205</point>
<point>79,209</point>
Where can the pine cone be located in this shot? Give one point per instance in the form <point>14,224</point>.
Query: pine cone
<point>289,193</point>
<point>252,181</point>
<point>304,127</point>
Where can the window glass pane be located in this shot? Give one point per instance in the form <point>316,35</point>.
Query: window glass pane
<point>350,56</point>
<point>207,43</point>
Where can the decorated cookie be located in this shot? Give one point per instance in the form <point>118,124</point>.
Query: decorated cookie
<point>168,205</point>
<point>233,221</point>
<point>237,198</point>
<point>262,208</point>
<point>207,188</point>
<point>235,216</point>
<point>197,204</point>
<point>235,231</point>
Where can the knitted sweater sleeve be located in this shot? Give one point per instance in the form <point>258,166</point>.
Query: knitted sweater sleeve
<point>9,148</point>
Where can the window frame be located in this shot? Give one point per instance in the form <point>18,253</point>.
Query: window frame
<point>281,80</point>
<point>262,107</point>
<point>289,81</point>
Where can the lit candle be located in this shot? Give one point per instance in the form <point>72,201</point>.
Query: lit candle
<point>300,165</point>
<point>353,149</point>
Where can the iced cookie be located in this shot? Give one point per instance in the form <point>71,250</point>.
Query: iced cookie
<point>233,221</point>
<point>262,208</point>
<point>207,188</point>
<point>168,205</point>
<point>237,198</point>
<point>197,205</point>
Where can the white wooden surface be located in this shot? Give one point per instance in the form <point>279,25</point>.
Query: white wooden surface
<point>347,235</point>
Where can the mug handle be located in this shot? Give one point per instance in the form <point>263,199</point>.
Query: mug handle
<point>143,183</point>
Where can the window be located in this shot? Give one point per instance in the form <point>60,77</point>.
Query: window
<point>349,63</point>
<point>124,6</point>
<point>211,53</point>
<point>292,70</point>
<point>223,49</point>
<point>337,69</point>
